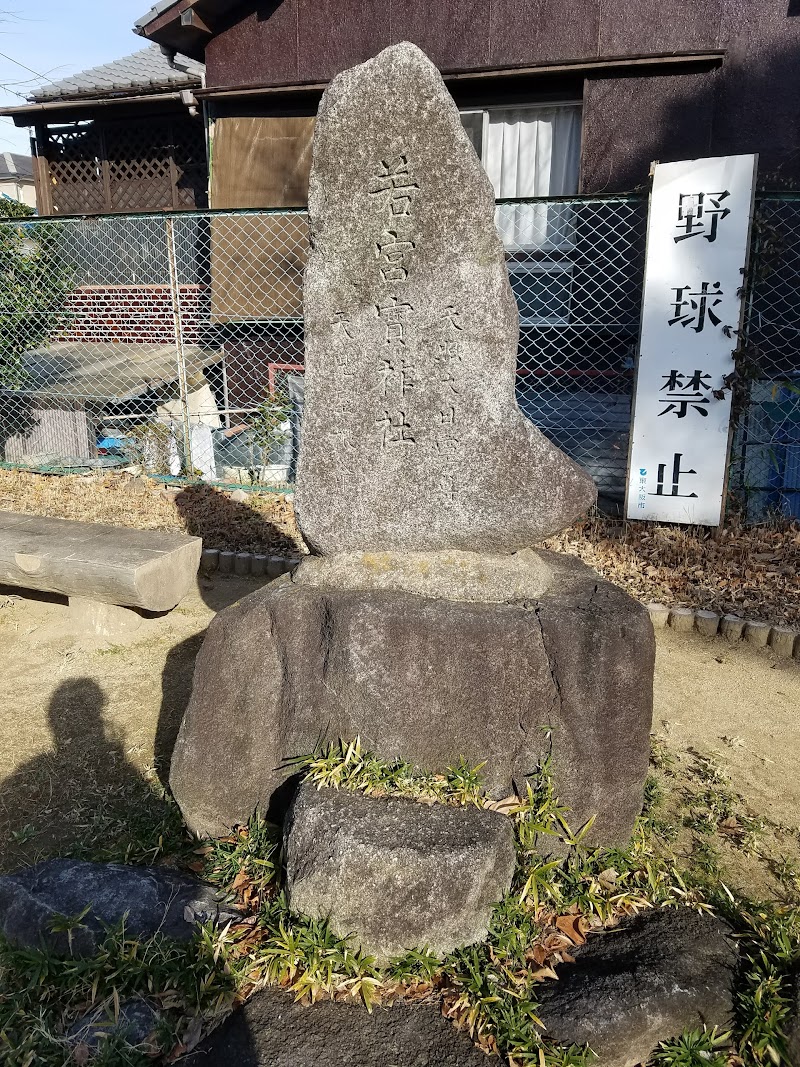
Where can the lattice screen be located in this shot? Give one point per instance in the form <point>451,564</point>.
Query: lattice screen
<point>135,166</point>
<point>76,181</point>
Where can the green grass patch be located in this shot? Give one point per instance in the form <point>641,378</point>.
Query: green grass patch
<point>489,988</point>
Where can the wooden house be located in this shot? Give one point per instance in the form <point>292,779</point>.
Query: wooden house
<point>127,136</point>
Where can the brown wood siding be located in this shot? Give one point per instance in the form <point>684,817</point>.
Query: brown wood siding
<point>261,161</point>
<point>257,264</point>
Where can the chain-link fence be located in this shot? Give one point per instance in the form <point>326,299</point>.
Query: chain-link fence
<point>170,343</point>
<point>765,459</point>
<point>576,270</point>
<point>174,343</point>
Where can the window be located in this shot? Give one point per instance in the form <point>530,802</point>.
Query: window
<point>542,290</point>
<point>530,151</point>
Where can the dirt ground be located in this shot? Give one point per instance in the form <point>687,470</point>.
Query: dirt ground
<point>84,727</point>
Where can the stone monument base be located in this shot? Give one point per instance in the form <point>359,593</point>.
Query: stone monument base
<point>551,659</point>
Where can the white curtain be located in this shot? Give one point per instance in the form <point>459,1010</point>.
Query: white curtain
<point>534,151</point>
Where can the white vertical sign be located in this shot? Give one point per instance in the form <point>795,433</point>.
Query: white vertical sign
<point>697,242</point>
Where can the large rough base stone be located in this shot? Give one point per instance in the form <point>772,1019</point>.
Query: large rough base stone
<point>394,874</point>
<point>271,1030</point>
<point>644,982</point>
<point>429,681</point>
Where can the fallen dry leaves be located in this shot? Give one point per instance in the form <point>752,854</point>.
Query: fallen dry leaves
<point>265,523</point>
<point>747,571</point>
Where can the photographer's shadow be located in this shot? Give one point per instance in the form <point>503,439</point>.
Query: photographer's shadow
<point>75,785</point>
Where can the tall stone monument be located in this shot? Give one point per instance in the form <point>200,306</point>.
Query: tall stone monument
<point>412,439</point>
<point>424,621</point>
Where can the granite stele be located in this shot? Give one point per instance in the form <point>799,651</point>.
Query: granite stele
<point>425,620</point>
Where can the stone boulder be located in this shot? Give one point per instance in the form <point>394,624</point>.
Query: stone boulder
<point>272,1030</point>
<point>412,437</point>
<point>135,1024</point>
<point>429,679</point>
<point>394,874</point>
<point>643,982</point>
<point>151,900</point>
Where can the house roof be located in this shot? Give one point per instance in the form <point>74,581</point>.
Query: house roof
<point>185,25</point>
<point>208,7</point>
<point>15,165</point>
<point>142,72</point>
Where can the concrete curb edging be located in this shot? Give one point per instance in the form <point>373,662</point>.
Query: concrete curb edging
<point>245,564</point>
<point>783,641</point>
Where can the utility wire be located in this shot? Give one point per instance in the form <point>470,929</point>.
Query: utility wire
<point>30,69</point>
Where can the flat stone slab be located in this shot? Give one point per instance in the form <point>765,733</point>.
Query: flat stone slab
<point>394,874</point>
<point>271,1030</point>
<point>148,569</point>
<point>447,575</point>
<point>429,680</point>
<point>103,620</point>
<point>412,438</point>
<point>150,899</point>
<point>643,982</point>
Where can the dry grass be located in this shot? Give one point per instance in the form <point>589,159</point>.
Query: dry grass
<point>265,523</point>
<point>748,571</point>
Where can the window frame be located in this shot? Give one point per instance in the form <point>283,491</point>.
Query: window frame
<point>538,105</point>
<point>550,268</point>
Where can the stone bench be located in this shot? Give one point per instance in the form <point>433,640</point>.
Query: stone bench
<point>102,569</point>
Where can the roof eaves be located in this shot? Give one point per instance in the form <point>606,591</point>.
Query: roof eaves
<point>153,13</point>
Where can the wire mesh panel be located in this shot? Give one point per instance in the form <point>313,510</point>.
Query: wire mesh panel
<point>575,267</point>
<point>765,462</point>
<point>173,344</point>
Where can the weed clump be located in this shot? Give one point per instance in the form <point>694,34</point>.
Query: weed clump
<point>562,891</point>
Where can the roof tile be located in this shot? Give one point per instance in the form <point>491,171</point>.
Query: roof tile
<point>143,70</point>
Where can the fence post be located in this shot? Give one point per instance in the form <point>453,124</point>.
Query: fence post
<point>179,351</point>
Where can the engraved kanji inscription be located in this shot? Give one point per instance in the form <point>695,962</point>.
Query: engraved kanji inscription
<point>393,186</point>
<point>395,254</point>
<point>341,325</point>
<point>396,429</point>
<point>393,313</point>
<point>398,376</point>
